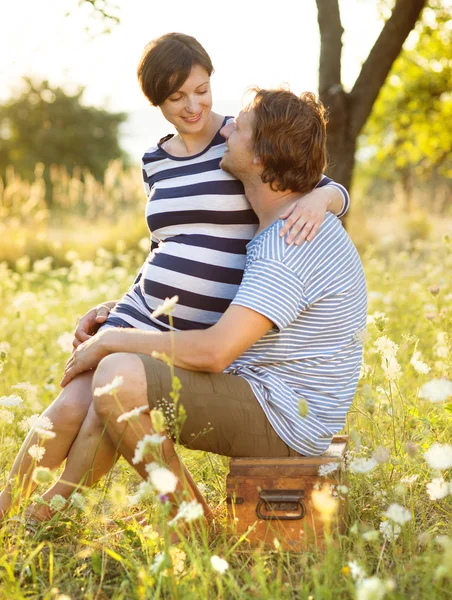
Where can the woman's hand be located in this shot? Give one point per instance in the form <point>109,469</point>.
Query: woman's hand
<point>86,357</point>
<point>304,218</point>
<point>90,323</point>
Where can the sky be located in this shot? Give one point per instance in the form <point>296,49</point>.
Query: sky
<point>251,42</point>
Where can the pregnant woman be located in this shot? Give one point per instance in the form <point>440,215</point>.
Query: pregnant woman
<point>200,223</point>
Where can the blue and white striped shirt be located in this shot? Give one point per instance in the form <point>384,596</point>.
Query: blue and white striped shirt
<point>201,223</point>
<point>315,294</point>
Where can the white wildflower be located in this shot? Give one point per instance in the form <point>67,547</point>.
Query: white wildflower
<point>391,368</point>
<point>57,502</point>
<point>174,558</point>
<point>218,564</point>
<point>41,421</point>
<point>342,489</point>
<point>157,563</point>
<point>5,347</point>
<point>146,446</point>
<point>386,347</point>
<point>110,387</point>
<point>441,348</point>
<point>361,335</point>
<point>132,414</point>
<point>71,256</point>
<point>44,265</point>
<point>436,390</point>
<point>166,308</point>
<point>362,465</point>
<point>42,475</point>
<point>418,365</point>
<point>390,531</point>
<point>31,390</point>
<point>64,341</point>
<point>44,434</point>
<point>24,301</point>
<point>6,417</point>
<point>10,401</point>
<point>144,492</point>
<point>398,514</point>
<point>371,536</point>
<point>177,557</point>
<point>409,479</point>
<point>36,452</point>
<point>388,350</point>
<point>163,480</point>
<point>381,454</point>
<point>439,456</point>
<point>325,470</point>
<point>188,511</point>
<point>371,588</point>
<point>356,571</point>
<point>78,500</point>
<point>438,489</point>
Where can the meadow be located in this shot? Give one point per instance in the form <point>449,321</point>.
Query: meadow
<point>55,264</point>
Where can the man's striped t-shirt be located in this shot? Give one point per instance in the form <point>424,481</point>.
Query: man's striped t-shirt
<point>200,223</point>
<point>315,294</point>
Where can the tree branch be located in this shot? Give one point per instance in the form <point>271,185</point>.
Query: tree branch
<point>380,60</point>
<point>331,31</point>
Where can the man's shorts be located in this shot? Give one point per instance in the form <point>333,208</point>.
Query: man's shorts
<point>222,413</point>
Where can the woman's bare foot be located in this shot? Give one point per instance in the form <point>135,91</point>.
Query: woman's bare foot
<point>39,513</point>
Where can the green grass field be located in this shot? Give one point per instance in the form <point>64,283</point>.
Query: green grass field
<point>405,554</point>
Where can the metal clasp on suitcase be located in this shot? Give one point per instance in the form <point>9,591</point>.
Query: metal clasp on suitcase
<point>287,500</point>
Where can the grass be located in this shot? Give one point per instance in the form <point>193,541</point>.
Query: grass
<point>77,556</point>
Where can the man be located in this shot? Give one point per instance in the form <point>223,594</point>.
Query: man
<point>291,335</point>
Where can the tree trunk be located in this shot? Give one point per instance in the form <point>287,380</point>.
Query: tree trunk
<point>348,112</point>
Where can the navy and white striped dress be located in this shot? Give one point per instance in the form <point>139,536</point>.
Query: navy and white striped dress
<point>200,223</point>
<point>315,294</point>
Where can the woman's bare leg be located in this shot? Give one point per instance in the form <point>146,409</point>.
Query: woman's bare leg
<point>91,456</point>
<point>93,453</point>
<point>124,436</point>
<point>67,414</point>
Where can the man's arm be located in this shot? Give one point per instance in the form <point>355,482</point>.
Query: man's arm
<point>211,350</point>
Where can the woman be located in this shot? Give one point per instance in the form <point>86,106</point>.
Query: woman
<point>200,222</point>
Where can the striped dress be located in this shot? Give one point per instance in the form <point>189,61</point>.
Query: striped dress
<point>200,224</point>
<point>315,294</point>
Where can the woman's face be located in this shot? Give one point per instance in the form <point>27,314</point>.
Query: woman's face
<point>189,108</point>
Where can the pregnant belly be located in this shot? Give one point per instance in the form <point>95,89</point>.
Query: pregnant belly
<point>205,290</point>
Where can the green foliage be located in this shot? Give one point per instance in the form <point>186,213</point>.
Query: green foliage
<point>408,130</point>
<point>49,126</point>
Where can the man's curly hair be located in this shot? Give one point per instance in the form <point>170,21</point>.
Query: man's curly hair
<point>289,138</point>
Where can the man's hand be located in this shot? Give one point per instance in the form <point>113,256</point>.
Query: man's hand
<point>86,357</point>
<point>90,323</point>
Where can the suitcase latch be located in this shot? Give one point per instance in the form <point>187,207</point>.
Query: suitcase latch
<point>290,501</point>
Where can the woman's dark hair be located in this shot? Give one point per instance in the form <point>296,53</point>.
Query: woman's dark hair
<point>166,64</point>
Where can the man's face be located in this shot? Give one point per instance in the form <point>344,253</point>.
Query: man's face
<point>239,158</point>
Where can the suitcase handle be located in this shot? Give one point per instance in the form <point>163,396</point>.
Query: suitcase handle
<point>288,500</point>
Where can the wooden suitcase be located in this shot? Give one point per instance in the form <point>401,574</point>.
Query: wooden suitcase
<point>273,497</point>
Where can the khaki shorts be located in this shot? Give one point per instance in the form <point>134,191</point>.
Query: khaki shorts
<point>222,413</point>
